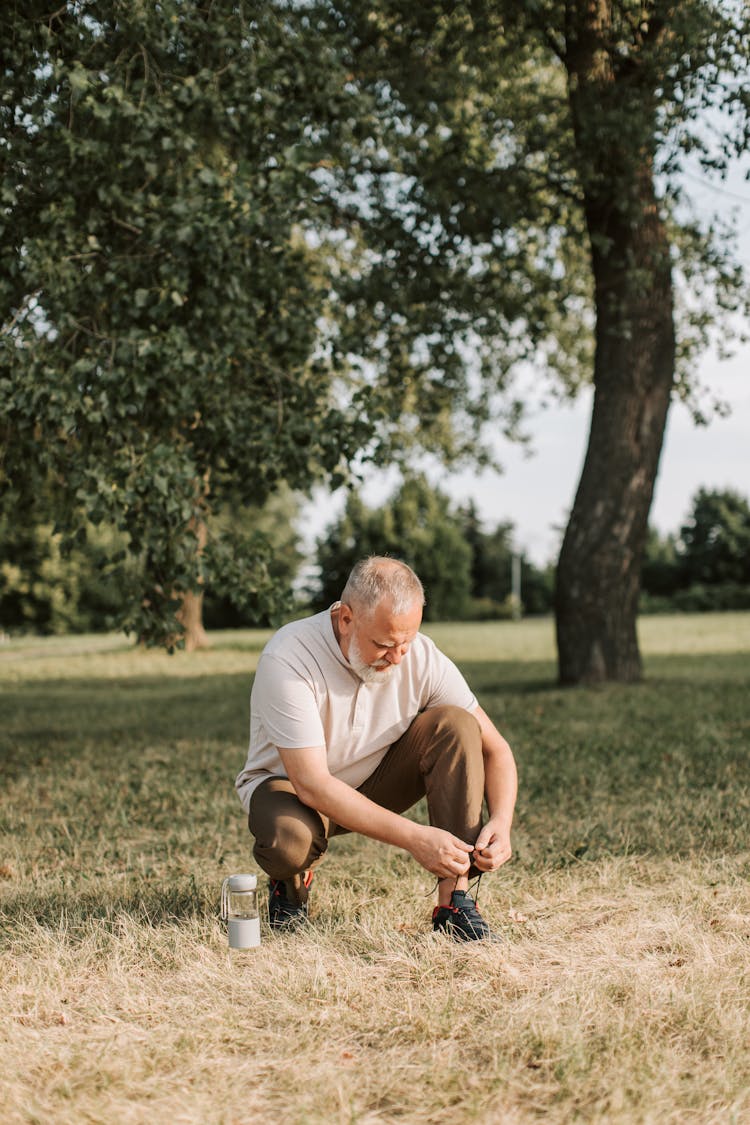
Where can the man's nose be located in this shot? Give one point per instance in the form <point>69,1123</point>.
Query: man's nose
<point>396,655</point>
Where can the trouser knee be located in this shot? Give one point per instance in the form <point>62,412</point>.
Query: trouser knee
<point>288,854</point>
<point>289,836</point>
<point>452,734</point>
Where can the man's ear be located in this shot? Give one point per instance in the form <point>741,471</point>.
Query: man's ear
<point>346,619</point>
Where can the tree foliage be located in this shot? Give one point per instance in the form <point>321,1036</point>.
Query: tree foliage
<point>47,586</point>
<point>416,525</point>
<point>47,589</point>
<point>269,534</point>
<point>245,242</point>
<point>706,565</point>
<point>715,540</point>
<point>660,571</point>
<point>484,130</point>
<point>492,554</point>
<point>521,202</point>
<point>160,300</point>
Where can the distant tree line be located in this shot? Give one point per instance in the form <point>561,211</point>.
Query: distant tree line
<point>466,568</point>
<point>707,565</point>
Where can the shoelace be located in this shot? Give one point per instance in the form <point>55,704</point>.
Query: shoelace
<point>469,889</point>
<point>475,887</point>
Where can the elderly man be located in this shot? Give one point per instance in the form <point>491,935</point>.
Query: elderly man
<point>356,715</point>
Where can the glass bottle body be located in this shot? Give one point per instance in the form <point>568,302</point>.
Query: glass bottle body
<point>239,908</point>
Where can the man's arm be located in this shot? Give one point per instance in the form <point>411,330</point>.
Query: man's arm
<point>493,848</point>
<point>436,850</point>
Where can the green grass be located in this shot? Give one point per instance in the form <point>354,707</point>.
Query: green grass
<point>621,992</point>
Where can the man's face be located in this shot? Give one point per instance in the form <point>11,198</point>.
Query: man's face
<point>373,644</point>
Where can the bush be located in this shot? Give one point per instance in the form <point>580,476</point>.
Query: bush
<point>487,609</point>
<point>699,598</point>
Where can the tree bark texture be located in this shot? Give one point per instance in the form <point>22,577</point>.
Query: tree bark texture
<point>190,613</point>
<point>598,576</point>
<point>190,616</point>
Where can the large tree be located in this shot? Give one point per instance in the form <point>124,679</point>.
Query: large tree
<point>630,69</point>
<point>160,297</point>
<point>209,210</point>
<point>520,200</point>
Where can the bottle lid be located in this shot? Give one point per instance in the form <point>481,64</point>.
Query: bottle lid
<point>242,883</point>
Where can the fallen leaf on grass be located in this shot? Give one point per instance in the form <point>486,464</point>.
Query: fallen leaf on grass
<point>6,871</point>
<point>517,916</point>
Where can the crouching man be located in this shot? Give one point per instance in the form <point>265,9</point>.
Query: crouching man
<point>356,715</point>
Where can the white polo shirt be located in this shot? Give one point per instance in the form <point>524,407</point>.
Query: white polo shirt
<point>307,694</point>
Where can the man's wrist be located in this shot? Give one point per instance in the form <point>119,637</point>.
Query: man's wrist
<point>501,823</point>
<point>410,831</point>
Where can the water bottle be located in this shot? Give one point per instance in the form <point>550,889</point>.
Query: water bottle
<point>239,909</point>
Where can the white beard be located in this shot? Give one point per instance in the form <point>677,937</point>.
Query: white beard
<point>368,673</point>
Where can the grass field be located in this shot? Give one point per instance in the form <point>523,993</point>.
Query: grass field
<point>621,992</point>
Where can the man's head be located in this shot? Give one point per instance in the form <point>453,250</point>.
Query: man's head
<point>380,614</point>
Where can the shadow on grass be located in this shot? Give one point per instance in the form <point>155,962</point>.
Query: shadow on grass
<point>49,723</point>
<point>537,676</point>
<point>75,910</point>
<point>106,769</point>
<point>60,719</point>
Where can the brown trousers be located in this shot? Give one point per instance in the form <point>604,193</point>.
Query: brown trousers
<point>439,756</point>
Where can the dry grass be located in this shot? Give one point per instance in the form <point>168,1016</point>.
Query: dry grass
<point>621,992</point>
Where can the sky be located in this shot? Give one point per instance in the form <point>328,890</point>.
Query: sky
<point>536,488</point>
<point>536,492</point>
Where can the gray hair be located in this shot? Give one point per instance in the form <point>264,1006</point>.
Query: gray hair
<point>381,579</point>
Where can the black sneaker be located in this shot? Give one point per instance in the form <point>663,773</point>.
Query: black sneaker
<point>287,902</point>
<point>462,920</point>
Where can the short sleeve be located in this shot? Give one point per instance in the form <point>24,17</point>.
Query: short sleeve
<point>284,704</point>
<point>447,685</point>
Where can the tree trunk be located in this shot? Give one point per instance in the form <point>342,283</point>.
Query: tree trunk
<point>598,576</point>
<point>190,616</point>
<point>190,613</point>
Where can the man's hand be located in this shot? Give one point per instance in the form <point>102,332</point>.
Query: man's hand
<point>492,848</point>
<point>438,851</point>
<point>441,853</point>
